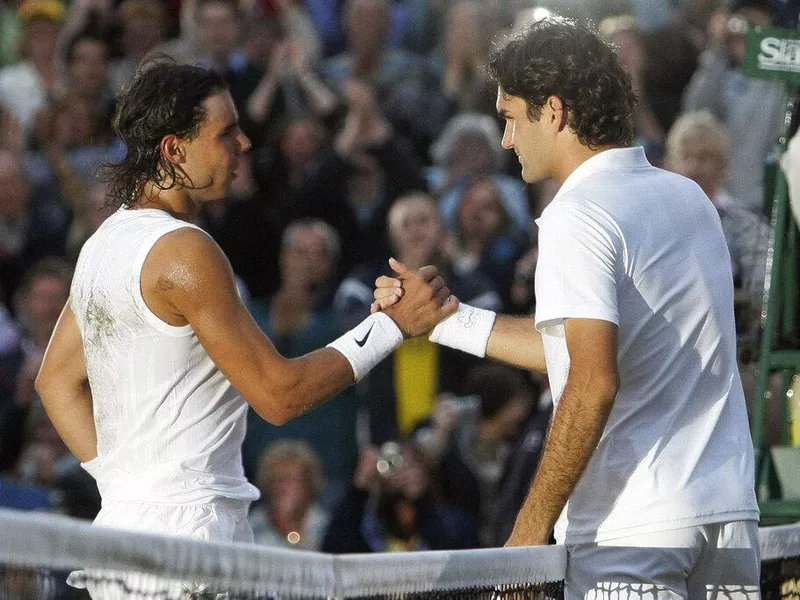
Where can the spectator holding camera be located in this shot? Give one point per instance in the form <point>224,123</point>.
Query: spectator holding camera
<point>393,505</point>
<point>471,437</point>
<point>751,109</point>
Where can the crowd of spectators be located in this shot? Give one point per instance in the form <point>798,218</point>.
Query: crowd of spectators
<point>375,134</point>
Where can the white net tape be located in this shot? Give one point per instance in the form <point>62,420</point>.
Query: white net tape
<point>55,543</point>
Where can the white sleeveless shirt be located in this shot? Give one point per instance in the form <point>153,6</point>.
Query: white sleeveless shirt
<point>169,424</point>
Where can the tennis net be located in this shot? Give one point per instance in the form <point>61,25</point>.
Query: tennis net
<point>39,553</point>
<point>45,556</point>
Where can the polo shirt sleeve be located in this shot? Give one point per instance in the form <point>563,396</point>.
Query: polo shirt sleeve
<point>577,270</point>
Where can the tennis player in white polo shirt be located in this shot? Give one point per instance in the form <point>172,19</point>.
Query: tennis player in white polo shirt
<point>647,475</point>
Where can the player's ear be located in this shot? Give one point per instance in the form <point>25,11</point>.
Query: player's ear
<point>556,111</point>
<point>172,149</point>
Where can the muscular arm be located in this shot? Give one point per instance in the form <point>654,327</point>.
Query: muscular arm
<point>517,342</point>
<point>63,385</point>
<point>578,423</point>
<point>187,279</point>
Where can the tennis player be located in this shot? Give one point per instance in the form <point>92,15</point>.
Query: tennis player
<point>143,374</point>
<point>647,474</point>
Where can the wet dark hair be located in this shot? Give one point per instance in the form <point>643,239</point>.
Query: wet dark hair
<point>557,57</point>
<point>163,98</point>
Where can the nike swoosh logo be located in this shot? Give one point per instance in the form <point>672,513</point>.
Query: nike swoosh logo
<point>363,340</point>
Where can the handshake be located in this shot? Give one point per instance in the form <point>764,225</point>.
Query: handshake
<point>415,300</point>
<point>411,304</point>
<point>419,302</point>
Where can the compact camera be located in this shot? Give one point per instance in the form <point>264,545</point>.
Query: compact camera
<point>390,458</point>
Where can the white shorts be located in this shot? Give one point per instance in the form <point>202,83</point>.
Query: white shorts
<point>720,560</point>
<point>222,520</point>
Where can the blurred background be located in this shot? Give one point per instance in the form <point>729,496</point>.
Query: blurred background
<point>374,134</point>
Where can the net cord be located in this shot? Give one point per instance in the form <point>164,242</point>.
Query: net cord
<point>55,542</point>
<point>779,542</point>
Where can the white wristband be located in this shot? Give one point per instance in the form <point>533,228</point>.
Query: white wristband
<point>369,342</point>
<point>468,330</point>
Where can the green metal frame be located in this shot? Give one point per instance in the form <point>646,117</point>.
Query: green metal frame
<point>778,324</point>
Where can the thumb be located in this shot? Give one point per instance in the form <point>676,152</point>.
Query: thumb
<point>399,267</point>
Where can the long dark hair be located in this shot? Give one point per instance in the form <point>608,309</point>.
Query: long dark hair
<point>557,57</point>
<point>163,98</point>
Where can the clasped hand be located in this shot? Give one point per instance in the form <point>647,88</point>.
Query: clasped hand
<point>416,300</point>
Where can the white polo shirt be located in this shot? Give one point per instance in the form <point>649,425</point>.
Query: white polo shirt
<point>643,248</point>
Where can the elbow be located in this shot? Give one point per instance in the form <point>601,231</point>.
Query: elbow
<point>41,385</point>
<point>279,407</point>
<point>271,411</point>
<point>608,388</point>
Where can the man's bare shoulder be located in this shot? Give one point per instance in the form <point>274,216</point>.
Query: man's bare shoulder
<point>181,251</point>
<point>185,265</point>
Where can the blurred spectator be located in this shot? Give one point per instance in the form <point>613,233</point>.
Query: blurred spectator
<point>73,132</point>
<point>33,224</point>
<point>290,479</point>
<point>484,238</point>
<point>309,254</point>
<point>326,17</point>
<point>752,109</point>
<point>286,165</point>
<point>26,86</point>
<point>406,89</point>
<point>477,432</point>
<point>352,184</point>
<point>143,26</point>
<point>624,34</point>
<point>514,483</point>
<point>469,147</point>
<point>289,86</point>
<point>698,147</point>
<point>37,306</point>
<point>694,16</point>
<point>393,506</point>
<point>212,37</point>
<point>86,15</point>
<point>671,62</point>
<point>461,58</point>
<point>286,19</point>
<point>81,116</point>
<point>248,229</point>
<point>46,475</point>
<point>88,213</point>
<point>26,478</point>
<point>298,319</point>
<point>400,392</point>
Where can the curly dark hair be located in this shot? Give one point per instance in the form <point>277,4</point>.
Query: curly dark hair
<point>163,98</point>
<point>558,57</point>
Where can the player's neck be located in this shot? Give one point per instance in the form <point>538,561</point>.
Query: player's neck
<point>173,201</point>
<point>573,156</point>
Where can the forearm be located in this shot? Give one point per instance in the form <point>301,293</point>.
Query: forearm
<point>300,384</point>
<point>517,342</point>
<point>310,381</point>
<point>63,386</point>
<point>577,426</point>
<point>321,99</point>
<point>703,91</point>
<point>260,101</point>
<point>70,411</point>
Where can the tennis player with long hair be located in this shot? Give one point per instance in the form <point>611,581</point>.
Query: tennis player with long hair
<point>155,356</point>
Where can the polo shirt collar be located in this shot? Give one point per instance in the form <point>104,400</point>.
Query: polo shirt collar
<point>614,158</point>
